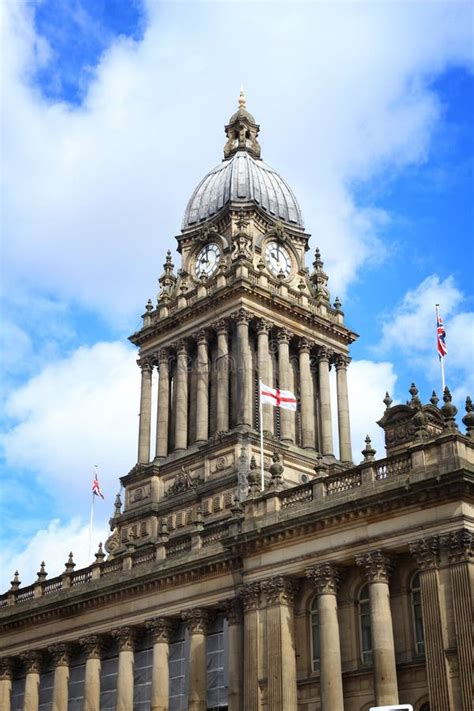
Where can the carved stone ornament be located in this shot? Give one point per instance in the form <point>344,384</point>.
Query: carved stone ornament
<point>161,628</point>
<point>241,247</point>
<point>196,620</point>
<point>6,668</point>
<point>279,590</point>
<point>426,552</point>
<point>61,654</point>
<point>324,355</point>
<point>146,364</point>
<point>221,326</point>
<point>459,544</point>
<point>341,361</point>
<point>113,541</point>
<point>32,661</point>
<point>125,637</point>
<point>377,566</point>
<point>283,335</point>
<point>250,596</point>
<point>324,577</point>
<point>183,482</point>
<point>241,316</point>
<point>263,326</point>
<point>233,611</point>
<point>92,646</point>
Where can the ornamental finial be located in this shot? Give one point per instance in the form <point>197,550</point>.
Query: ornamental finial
<point>242,101</point>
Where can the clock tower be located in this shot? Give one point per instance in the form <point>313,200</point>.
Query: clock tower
<point>242,306</point>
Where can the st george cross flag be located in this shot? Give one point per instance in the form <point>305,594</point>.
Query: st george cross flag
<point>96,486</point>
<point>441,338</point>
<point>277,397</point>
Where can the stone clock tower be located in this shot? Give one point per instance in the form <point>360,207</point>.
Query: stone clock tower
<point>241,306</point>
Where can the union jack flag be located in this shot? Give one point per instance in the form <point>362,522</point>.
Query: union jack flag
<point>96,486</point>
<point>441,338</point>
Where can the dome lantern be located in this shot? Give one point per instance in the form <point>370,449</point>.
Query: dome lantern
<point>242,131</point>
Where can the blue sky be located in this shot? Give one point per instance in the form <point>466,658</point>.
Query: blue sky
<point>114,110</point>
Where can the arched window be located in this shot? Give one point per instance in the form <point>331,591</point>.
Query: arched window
<point>314,627</point>
<point>365,625</point>
<point>417,614</point>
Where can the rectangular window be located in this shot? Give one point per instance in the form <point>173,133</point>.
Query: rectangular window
<point>142,670</point>
<point>178,671</point>
<point>108,678</point>
<point>46,690</point>
<point>18,693</point>
<point>217,666</point>
<point>77,671</point>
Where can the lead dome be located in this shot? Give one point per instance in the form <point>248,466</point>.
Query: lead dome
<point>242,178</point>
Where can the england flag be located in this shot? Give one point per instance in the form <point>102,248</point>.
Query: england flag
<point>278,398</point>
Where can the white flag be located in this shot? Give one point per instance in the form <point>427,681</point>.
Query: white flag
<point>278,398</point>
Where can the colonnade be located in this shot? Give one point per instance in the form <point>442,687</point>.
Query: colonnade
<point>208,383</point>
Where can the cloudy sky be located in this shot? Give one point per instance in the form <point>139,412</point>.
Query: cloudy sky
<point>113,110</point>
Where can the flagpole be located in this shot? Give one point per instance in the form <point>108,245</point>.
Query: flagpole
<point>441,360</point>
<point>90,527</point>
<point>260,417</point>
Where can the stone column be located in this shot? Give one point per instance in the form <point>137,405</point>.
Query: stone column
<point>343,420</point>
<point>377,568</point>
<point>161,628</point>
<point>181,382</point>
<point>125,637</point>
<point>144,429</point>
<point>264,371</point>
<point>306,396</point>
<point>325,578</point>
<point>202,387</point>
<point>32,661</point>
<point>163,408</point>
<point>233,613</point>
<point>287,417</point>
<point>5,683</point>
<point>250,594</point>
<point>222,329</point>
<point>460,547</point>
<point>60,654</point>
<point>426,554</point>
<point>244,370</point>
<point>281,659</point>
<point>196,621</point>
<point>92,645</point>
<point>327,446</point>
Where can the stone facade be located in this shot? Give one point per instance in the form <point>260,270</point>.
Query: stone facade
<point>336,587</point>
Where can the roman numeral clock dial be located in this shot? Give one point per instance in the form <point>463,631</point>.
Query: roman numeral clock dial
<point>207,260</point>
<point>278,259</point>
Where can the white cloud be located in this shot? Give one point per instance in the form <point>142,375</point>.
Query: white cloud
<point>93,194</point>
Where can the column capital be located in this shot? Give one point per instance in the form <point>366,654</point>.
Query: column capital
<point>242,316</point>
<point>263,325</point>
<point>426,552</point>
<point>249,593</point>
<point>200,337</point>
<point>181,347</point>
<point>283,335</point>
<point>92,645</point>
<point>377,566</point>
<point>196,620</point>
<point>32,661</point>
<point>6,668</point>
<point>341,361</point>
<point>324,354</point>
<point>324,577</point>
<point>161,628</point>
<point>145,364</point>
<point>459,544</point>
<point>221,326</point>
<point>280,590</point>
<point>305,345</point>
<point>61,654</point>
<point>125,637</point>
<point>233,611</point>
<point>163,356</point>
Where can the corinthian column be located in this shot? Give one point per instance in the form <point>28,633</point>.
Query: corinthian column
<point>125,637</point>
<point>60,654</point>
<point>250,594</point>
<point>306,396</point>
<point>181,378</point>
<point>244,370</point>
<point>325,578</point>
<point>144,429</point>
<point>161,628</point>
<point>287,417</point>
<point>233,613</point>
<point>264,369</point>
<point>222,329</point>
<point>377,568</point>
<point>327,446</point>
<point>202,388</point>
<point>281,659</point>
<point>163,408</point>
<point>32,661</point>
<point>426,554</point>
<point>343,420</point>
<point>92,646</point>
<point>196,621</point>
<point>5,683</point>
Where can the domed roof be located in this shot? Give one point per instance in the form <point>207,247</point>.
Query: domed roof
<point>239,180</point>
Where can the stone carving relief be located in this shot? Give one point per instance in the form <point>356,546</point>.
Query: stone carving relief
<point>183,481</point>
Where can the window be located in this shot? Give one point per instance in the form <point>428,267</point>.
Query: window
<point>18,692</point>
<point>365,625</point>
<point>314,626</point>
<point>178,663</point>
<point>142,669</point>
<point>417,615</point>
<point>108,678</point>
<point>77,670</point>
<point>216,663</point>
<point>46,689</point>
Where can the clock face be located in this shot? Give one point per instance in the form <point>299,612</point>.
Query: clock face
<point>207,260</point>
<point>278,259</point>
